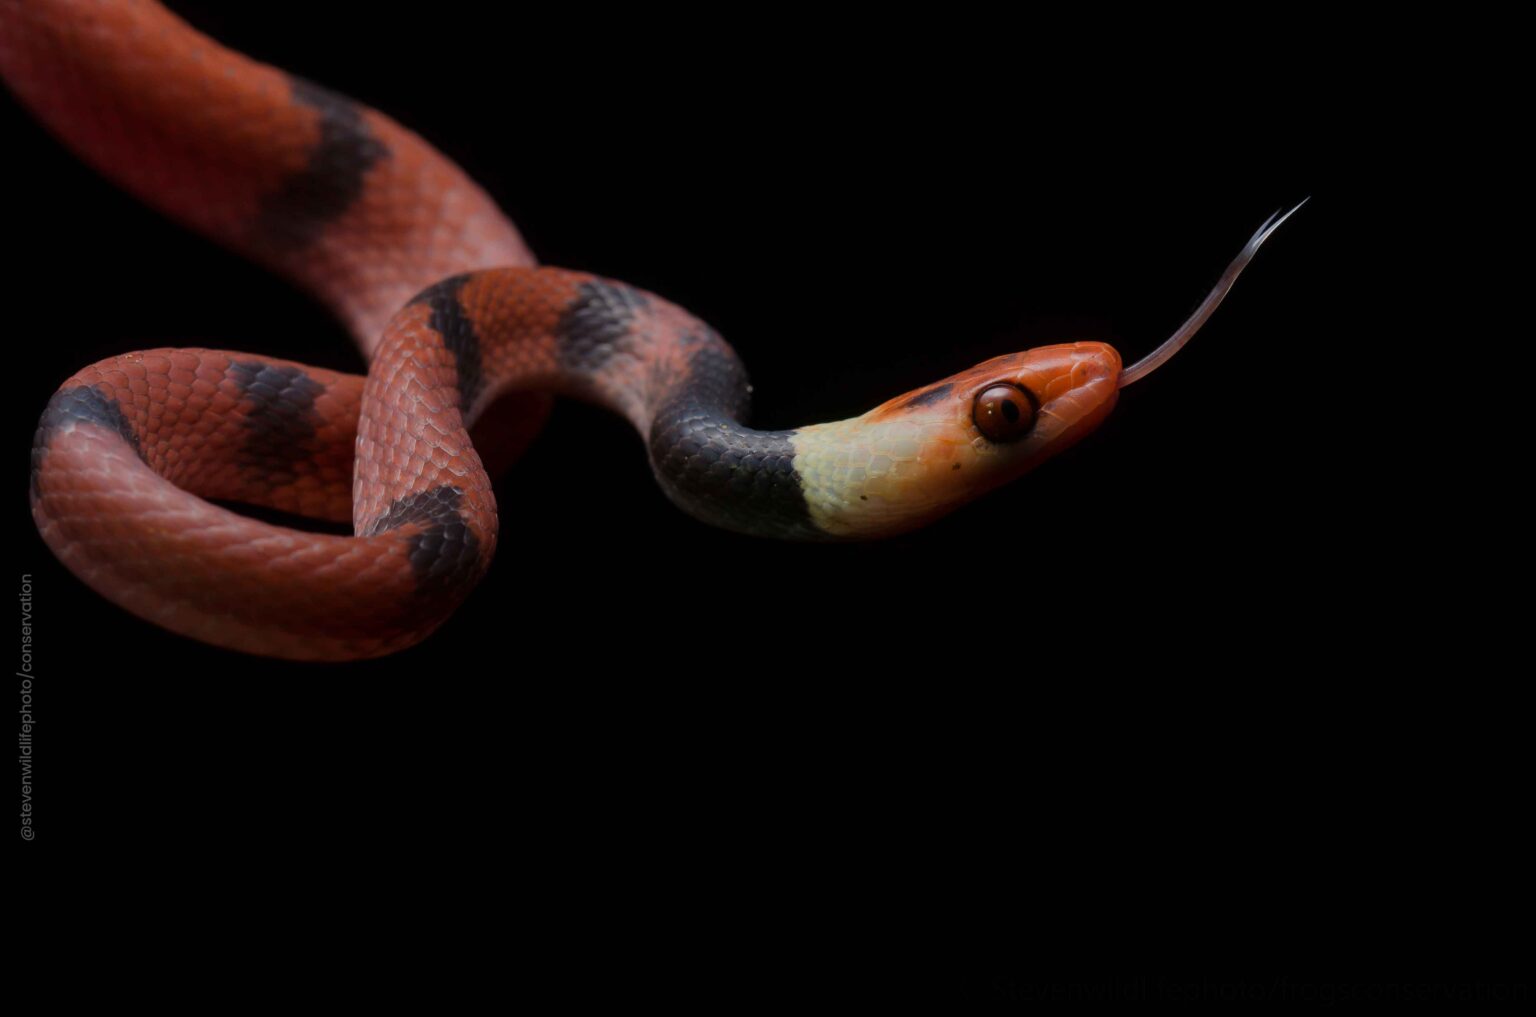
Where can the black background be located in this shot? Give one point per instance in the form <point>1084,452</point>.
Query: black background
<point>1131,680</point>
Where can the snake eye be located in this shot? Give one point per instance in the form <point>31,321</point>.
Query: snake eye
<point>1004,413</point>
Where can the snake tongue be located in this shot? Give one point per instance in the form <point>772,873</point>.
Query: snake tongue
<point>1152,361</point>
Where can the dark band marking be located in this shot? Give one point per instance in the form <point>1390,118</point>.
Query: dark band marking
<point>291,217</point>
<point>88,404</point>
<point>458,331</point>
<point>91,404</point>
<point>715,468</point>
<point>445,554</point>
<point>280,418</point>
<point>596,325</point>
<point>927,396</point>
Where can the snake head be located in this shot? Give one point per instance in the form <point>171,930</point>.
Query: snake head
<point>925,453</point>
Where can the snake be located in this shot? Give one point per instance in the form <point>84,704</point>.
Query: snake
<point>453,313</point>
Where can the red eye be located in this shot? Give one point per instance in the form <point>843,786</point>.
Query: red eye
<point>1004,413</point>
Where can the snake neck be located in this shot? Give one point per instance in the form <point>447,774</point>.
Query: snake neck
<point>673,377</point>
<point>718,470</point>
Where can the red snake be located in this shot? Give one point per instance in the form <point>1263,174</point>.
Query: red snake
<point>442,296</point>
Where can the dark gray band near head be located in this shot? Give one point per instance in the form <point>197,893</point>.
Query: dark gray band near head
<point>706,461</point>
<point>291,217</point>
<point>718,470</point>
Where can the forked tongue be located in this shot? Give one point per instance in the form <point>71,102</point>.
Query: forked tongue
<point>1152,361</point>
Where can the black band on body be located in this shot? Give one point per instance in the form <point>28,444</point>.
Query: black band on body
<point>596,326</point>
<point>291,217</point>
<point>459,336</point>
<point>445,555</point>
<point>89,404</point>
<point>280,419</point>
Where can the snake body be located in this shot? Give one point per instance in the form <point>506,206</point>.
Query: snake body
<point>446,302</point>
